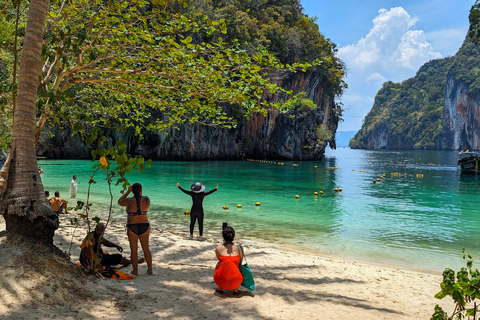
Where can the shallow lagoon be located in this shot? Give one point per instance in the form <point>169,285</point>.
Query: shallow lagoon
<point>419,216</point>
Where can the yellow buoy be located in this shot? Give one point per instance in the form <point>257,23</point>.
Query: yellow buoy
<point>336,189</point>
<point>186,213</point>
<point>315,193</point>
<point>225,207</point>
<point>257,203</point>
<point>239,205</point>
<point>297,196</point>
<point>321,192</point>
<point>339,189</point>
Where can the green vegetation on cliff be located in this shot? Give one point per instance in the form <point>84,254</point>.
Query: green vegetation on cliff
<point>181,61</point>
<point>409,115</point>
<point>411,111</point>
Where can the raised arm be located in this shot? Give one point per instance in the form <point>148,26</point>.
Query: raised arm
<point>123,199</point>
<point>211,191</point>
<point>183,190</point>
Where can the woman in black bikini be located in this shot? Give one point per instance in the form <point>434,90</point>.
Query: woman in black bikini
<point>137,225</point>
<point>196,212</point>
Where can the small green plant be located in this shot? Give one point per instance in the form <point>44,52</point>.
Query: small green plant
<point>299,102</point>
<point>104,162</point>
<point>464,290</point>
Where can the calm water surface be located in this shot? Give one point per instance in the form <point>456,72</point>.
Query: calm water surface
<point>419,216</point>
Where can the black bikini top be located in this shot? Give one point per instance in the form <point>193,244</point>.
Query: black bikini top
<point>139,212</point>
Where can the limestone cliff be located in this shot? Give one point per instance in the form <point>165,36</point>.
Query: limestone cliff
<point>461,118</point>
<point>290,136</point>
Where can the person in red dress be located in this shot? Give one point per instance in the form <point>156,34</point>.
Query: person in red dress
<point>227,274</point>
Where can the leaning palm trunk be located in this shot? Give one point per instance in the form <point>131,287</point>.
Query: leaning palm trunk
<point>22,199</point>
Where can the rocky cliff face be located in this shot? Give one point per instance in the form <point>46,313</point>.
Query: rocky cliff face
<point>276,136</point>
<point>461,118</point>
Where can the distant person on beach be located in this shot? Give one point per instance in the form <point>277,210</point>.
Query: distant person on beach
<point>58,204</point>
<point>227,274</point>
<point>138,227</point>
<point>107,259</point>
<point>196,212</point>
<point>47,194</point>
<point>73,187</point>
<point>40,170</point>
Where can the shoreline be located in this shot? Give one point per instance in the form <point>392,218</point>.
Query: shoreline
<point>289,285</point>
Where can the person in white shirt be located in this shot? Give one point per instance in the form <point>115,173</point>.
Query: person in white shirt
<point>73,187</point>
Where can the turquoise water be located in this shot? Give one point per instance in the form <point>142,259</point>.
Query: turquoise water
<point>420,222</point>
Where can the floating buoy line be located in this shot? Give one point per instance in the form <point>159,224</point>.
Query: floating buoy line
<point>321,192</point>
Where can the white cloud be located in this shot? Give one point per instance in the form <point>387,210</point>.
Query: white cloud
<point>392,51</point>
<point>390,46</point>
<point>414,51</point>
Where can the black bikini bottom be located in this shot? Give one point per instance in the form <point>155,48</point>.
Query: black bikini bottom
<point>138,228</point>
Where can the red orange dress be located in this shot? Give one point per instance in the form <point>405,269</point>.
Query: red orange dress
<point>227,274</point>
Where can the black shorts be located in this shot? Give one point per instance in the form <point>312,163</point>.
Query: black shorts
<point>111,259</point>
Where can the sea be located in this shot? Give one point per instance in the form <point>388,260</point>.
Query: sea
<point>407,209</point>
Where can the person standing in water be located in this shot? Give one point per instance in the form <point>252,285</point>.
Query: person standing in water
<point>73,187</point>
<point>196,212</point>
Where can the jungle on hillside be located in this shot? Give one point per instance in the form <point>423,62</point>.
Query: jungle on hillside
<point>410,114</point>
<point>249,28</point>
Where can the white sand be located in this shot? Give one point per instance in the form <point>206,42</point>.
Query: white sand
<point>289,285</point>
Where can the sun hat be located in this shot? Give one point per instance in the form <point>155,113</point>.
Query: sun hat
<point>197,187</point>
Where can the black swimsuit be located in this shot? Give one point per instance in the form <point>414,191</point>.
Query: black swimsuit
<point>196,212</point>
<point>138,228</point>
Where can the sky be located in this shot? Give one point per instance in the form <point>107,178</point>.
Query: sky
<point>386,40</point>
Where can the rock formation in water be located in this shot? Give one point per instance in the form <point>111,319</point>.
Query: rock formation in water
<point>461,115</point>
<point>437,109</point>
<point>293,135</point>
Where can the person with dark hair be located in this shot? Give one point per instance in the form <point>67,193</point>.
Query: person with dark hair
<point>227,274</point>
<point>58,204</point>
<point>138,227</point>
<point>196,212</point>
<point>107,259</point>
<point>73,187</point>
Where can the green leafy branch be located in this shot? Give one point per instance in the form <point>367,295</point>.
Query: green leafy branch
<point>464,289</point>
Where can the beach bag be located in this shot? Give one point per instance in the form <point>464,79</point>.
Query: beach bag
<point>248,281</point>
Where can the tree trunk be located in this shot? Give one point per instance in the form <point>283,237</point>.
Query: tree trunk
<point>22,199</point>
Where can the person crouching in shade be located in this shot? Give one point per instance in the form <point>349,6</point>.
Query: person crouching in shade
<point>227,274</point>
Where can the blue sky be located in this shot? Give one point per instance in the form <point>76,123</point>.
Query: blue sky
<point>386,41</point>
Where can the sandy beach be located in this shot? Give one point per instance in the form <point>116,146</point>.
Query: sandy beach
<point>289,285</point>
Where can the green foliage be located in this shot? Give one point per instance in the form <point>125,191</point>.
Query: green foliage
<point>474,18</point>
<point>466,67</point>
<point>413,110</point>
<point>113,165</point>
<point>280,27</point>
<point>113,63</point>
<point>10,36</point>
<point>323,134</point>
<point>464,290</point>
<point>300,102</point>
